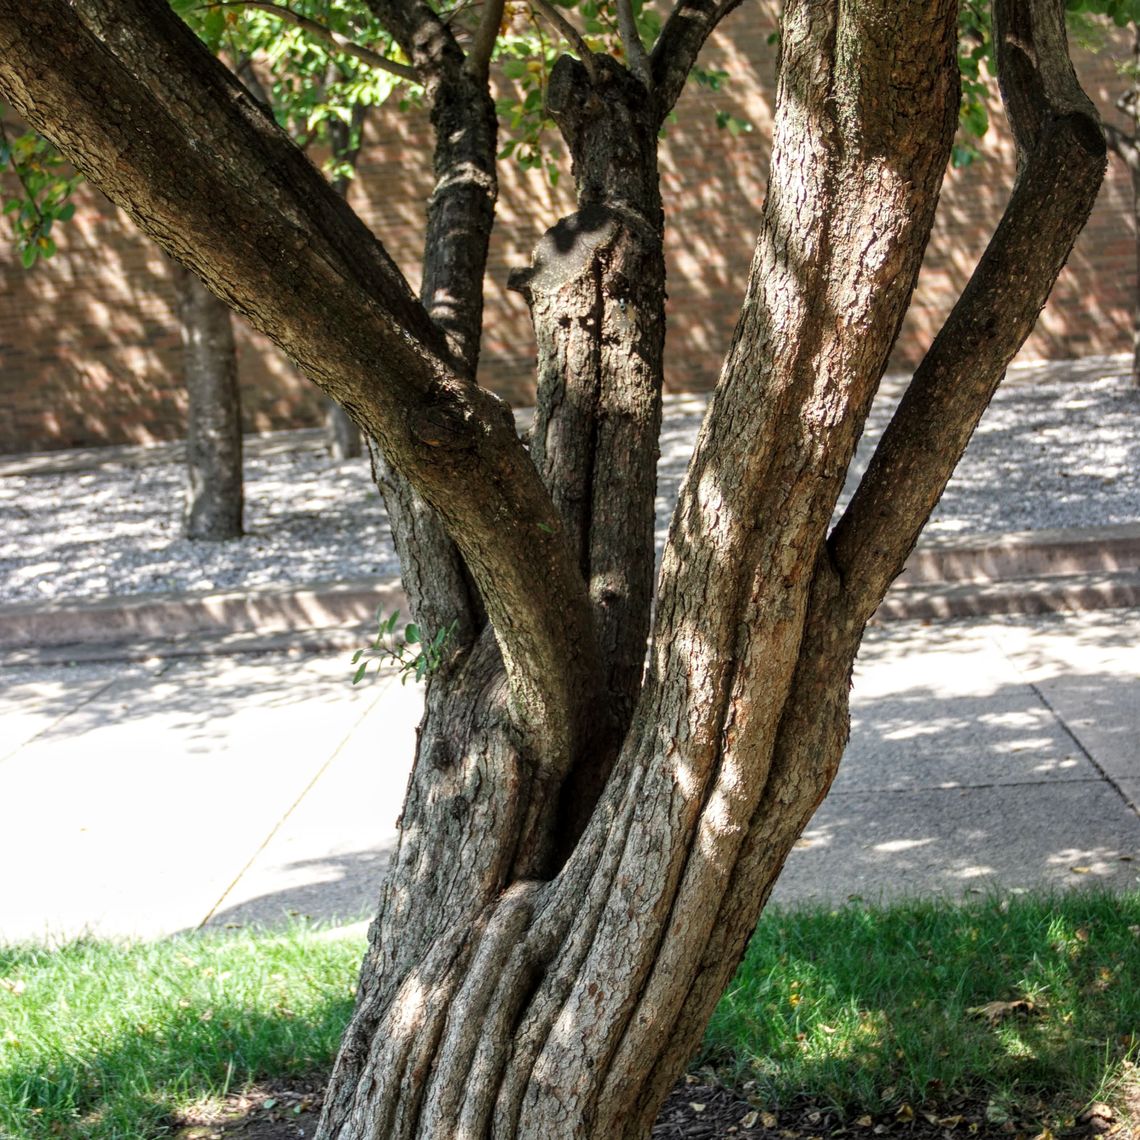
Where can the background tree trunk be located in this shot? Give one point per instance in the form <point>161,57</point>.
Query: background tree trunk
<point>214,495</point>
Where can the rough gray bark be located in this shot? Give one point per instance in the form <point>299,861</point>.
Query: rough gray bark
<point>585,848</point>
<point>214,495</point>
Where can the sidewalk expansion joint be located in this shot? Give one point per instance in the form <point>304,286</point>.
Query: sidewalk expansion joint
<point>294,805</point>
<point>1104,775</point>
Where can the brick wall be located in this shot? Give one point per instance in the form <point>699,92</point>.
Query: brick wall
<point>89,341</point>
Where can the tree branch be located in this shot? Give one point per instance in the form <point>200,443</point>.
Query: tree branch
<point>483,46</point>
<point>1123,145</point>
<point>422,35</point>
<point>460,215</point>
<point>631,40</point>
<point>201,168</point>
<point>690,23</point>
<point>326,35</point>
<point>1061,162</point>
<point>568,32</point>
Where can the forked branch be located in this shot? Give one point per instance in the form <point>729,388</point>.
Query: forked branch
<point>568,32</point>
<point>318,31</point>
<point>204,171</point>
<point>689,25</point>
<point>635,54</point>
<point>1061,162</point>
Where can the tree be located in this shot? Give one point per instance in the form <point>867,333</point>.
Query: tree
<point>608,778</point>
<point>1125,145</point>
<point>1088,19</point>
<point>212,508</point>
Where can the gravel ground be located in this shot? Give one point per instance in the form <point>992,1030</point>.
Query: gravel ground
<point>1058,448</point>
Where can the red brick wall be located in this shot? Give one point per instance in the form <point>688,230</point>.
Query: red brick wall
<point>89,341</point>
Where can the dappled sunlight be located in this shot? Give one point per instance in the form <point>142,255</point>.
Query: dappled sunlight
<point>93,351</point>
<point>893,846</point>
<point>116,530</point>
<point>961,774</point>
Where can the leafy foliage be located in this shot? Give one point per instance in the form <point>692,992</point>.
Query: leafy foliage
<point>1121,12</point>
<point>308,83</point>
<point>975,53</point>
<point>389,647</point>
<point>44,183</point>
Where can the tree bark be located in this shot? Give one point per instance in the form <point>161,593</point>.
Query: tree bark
<point>597,814</point>
<point>213,427</point>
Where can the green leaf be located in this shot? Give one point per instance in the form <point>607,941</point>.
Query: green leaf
<point>28,256</point>
<point>359,675</point>
<point>412,634</point>
<point>357,656</point>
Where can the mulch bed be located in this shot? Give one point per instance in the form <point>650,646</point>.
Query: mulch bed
<point>694,1111</point>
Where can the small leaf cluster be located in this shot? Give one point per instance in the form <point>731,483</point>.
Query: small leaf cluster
<point>42,190</point>
<point>1121,12</point>
<point>309,83</point>
<point>402,651</point>
<point>526,55</point>
<point>714,80</point>
<point>975,49</point>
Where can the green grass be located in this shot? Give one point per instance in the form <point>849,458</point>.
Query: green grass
<point>866,1008</point>
<point>106,1040</point>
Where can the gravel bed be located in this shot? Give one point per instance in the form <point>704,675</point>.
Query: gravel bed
<point>1059,447</point>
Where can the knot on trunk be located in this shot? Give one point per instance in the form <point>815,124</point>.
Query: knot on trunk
<point>566,251</point>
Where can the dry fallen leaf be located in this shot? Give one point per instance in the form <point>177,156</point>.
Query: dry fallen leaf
<point>12,985</point>
<point>1080,870</point>
<point>749,1119</point>
<point>768,1119</point>
<point>1099,1111</point>
<point>995,1011</point>
<point>864,1122</point>
<point>905,1113</point>
<point>696,1106</point>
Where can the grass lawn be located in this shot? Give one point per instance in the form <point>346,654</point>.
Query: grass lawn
<point>1028,1009</point>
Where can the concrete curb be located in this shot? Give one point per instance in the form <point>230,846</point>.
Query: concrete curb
<point>1023,554</point>
<point>1062,593</point>
<point>1027,573</point>
<point>260,611</point>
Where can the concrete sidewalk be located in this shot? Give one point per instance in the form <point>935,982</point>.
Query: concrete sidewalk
<point>148,797</point>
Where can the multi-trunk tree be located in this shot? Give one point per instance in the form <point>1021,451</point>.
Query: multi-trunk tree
<point>609,775</point>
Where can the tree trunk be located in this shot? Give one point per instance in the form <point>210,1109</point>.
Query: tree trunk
<point>213,428</point>
<point>604,790</point>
